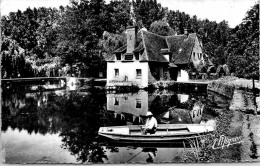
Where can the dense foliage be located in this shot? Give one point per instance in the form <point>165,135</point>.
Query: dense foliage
<point>87,31</point>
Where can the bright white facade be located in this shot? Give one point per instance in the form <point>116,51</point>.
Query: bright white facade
<point>127,73</point>
<point>183,76</point>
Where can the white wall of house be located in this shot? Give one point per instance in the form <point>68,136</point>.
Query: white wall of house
<point>183,75</point>
<point>127,73</point>
<point>196,55</point>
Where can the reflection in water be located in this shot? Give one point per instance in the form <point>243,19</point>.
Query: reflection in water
<point>34,148</point>
<point>32,86</point>
<point>151,153</point>
<point>165,105</point>
<point>131,103</point>
<point>196,112</point>
<point>183,98</point>
<point>144,155</point>
<point>74,117</point>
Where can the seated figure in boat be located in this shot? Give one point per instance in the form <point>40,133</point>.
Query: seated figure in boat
<point>150,125</point>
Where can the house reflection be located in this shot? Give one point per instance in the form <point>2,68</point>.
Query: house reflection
<point>167,106</point>
<point>135,104</point>
<point>196,112</point>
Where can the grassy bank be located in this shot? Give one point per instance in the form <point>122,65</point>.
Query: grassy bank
<point>240,91</point>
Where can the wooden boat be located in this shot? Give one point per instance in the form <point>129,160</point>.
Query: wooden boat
<point>164,133</point>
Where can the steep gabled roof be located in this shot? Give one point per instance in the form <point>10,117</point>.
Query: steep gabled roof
<point>153,44</point>
<point>120,49</point>
<point>144,57</point>
<point>110,58</point>
<point>181,47</point>
<point>139,48</point>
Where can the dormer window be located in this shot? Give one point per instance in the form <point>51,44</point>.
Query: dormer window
<point>129,57</point>
<point>118,56</point>
<point>167,57</point>
<point>166,53</point>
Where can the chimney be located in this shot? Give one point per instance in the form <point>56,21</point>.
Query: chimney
<point>186,32</point>
<point>130,31</point>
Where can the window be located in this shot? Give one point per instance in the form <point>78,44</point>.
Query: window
<point>128,57</point>
<point>138,73</point>
<point>116,101</point>
<point>179,73</point>
<point>200,55</point>
<point>118,56</point>
<point>167,57</point>
<point>116,72</point>
<point>138,103</point>
<point>194,56</point>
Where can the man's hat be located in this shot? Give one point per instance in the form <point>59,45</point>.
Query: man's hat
<point>149,114</point>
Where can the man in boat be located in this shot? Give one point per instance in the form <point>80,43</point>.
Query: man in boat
<point>150,125</point>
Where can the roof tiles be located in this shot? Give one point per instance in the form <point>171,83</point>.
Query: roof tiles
<point>154,46</point>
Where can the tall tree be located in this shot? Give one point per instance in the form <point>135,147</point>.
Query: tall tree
<point>161,27</point>
<point>79,30</point>
<point>243,46</point>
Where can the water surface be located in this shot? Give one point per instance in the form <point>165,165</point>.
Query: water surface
<point>60,126</point>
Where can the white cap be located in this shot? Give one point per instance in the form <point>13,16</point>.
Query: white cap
<point>149,114</point>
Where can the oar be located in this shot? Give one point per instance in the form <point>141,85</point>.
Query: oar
<point>134,156</point>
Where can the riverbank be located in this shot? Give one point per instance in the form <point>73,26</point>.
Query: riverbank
<point>243,96</point>
<point>246,109</point>
<point>251,138</point>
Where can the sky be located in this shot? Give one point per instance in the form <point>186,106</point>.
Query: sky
<point>232,11</point>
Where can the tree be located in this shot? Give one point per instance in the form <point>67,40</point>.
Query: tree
<point>161,27</point>
<point>243,46</point>
<point>13,60</point>
<point>110,42</point>
<point>148,11</point>
<point>79,30</point>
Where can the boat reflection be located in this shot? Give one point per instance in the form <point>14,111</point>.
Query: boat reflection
<point>151,153</point>
<point>143,155</point>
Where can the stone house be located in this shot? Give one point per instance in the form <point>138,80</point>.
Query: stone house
<point>148,57</point>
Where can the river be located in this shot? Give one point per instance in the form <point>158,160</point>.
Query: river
<point>60,126</point>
